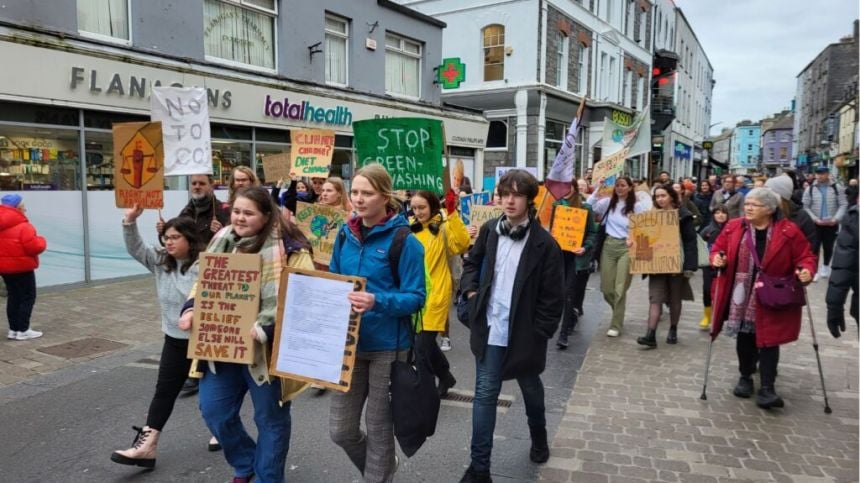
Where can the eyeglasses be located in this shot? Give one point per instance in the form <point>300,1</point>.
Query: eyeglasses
<point>173,238</point>
<point>753,205</point>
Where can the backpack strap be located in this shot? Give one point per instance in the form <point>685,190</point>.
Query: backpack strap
<point>395,250</point>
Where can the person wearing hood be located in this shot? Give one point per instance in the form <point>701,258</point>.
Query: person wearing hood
<point>844,275</point>
<point>720,217</point>
<point>20,247</point>
<point>702,200</point>
<point>784,187</point>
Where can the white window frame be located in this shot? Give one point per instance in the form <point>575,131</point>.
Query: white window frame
<point>494,46</point>
<point>630,28</point>
<point>241,65</point>
<point>401,51</point>
<point>108,38</point>
<point>345,37</point>
<point>563,54</point>
<point>640,93</point>
<point>628,88</point>
<point>583,68</point>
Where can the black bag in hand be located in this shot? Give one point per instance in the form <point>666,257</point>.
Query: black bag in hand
<point>414,402</point>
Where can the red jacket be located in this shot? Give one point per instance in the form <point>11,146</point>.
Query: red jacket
<point>786,250</point>
<point>20,246</point>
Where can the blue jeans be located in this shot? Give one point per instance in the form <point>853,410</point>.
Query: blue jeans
<point>221,397</point>
<point>488,385</point>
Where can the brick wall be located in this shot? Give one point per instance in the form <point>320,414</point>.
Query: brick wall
<point>577,35</point>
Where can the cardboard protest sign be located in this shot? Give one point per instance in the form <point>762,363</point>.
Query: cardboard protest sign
<point>474,199</point>
<point>568,227</point>
<point>609,166</point>
<point>226,305</point>
<point>543,203</point>
<point>316,342</point>
<point>482,214</point>
<point>276,166</point>
<point>138,156</point>
<point>320,224</point>
<point>501,170</point>
<point>311,151</point>
<point>410,149</point>
<point>184,116</point>
<point>656,242</point>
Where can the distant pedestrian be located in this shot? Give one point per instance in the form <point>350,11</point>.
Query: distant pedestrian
<point>761,242</point>
<point>782,186</point>
<point>845,274</point>
<point>729,197</point>
<point>825,202</point>
<point>702,199</point>
<point>710,233</point>
<point>513,279</point>
<point>20,247</point>
<point>241,177</point>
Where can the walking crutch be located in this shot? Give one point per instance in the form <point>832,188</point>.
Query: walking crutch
<point>827,409</point>
<point>704,396</point>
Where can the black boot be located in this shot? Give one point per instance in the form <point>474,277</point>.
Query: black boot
<point>562,339</point>
<point>446,382</point>
<point>672,336</point>
<point>744,388</point>
<point>768,398</point>
<point>649,340</point>
<point>539,452</point>
<point>474,476</point>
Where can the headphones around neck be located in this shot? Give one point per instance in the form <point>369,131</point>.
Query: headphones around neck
<point>515,233</point>
<point>433,226</point>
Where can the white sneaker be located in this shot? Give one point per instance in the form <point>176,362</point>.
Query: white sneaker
<point>612,333</point>
<point>28,334</point>
<point>445,344</point>
<point>817,277</point>
<point>825,271</point>
<point>13,334</point>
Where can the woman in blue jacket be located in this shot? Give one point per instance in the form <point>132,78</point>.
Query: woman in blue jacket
<point>362,249</point>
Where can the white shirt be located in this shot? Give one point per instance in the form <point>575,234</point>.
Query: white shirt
<point>508,254</point>
<point>617,223</point>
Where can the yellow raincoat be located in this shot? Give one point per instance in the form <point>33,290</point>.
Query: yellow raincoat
<point>453,239</point>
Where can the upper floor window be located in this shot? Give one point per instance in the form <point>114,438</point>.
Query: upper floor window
<point>583,69</point>
<point>628,88</point>
<point>104,19</point>
<point>561,68</point>
<point>336,37</point>
<point>640,93</point>
<point>494,52</point>
<point>240,32</point>
<point>402,66</point>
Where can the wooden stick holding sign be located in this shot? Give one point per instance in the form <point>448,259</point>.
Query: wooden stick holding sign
<point>226,305</point>
<point>138,155</point>
<point>568,227</point>
<point>316,329</point>
<point>656,242</point>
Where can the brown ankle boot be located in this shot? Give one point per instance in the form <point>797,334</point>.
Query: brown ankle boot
<point>142,451</point>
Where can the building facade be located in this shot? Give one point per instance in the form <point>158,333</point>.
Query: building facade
<point>745,148</point>
<point>721,149</point>
<point>776,144</point>
<point>89,66</point>
<point>530,81</point>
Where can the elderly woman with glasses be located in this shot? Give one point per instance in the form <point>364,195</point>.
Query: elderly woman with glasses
<point>760,244</point>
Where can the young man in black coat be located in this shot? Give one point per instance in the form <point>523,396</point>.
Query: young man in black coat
<point>513,278</point>
<point>844,277</point>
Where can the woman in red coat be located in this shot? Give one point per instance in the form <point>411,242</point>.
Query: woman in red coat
<point>20,247</point>
<point>781,247</point>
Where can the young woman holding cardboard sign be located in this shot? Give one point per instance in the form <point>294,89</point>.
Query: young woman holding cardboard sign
<point>255,227</point>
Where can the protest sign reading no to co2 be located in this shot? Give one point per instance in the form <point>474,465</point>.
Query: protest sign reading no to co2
<point>184,116</point>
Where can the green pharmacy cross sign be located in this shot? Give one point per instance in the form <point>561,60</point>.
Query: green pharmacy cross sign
<point>451,73</point>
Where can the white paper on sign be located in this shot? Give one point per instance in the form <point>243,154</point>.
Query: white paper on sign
<point>313,334</point>
<point>184,116</point>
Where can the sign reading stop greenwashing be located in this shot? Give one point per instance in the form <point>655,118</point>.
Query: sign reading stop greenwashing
<point>410,149</point>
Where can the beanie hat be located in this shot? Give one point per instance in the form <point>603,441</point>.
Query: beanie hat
<point>12,199</point>
<point>781,185</point>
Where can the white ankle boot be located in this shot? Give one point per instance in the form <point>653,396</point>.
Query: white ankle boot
<point>143,450</point>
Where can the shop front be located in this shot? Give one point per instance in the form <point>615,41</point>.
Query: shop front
<point>56,144</point>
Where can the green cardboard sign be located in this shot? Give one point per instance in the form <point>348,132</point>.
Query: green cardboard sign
<point>410,149</point>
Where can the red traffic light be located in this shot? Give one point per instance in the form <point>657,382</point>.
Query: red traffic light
<point>655,72</point>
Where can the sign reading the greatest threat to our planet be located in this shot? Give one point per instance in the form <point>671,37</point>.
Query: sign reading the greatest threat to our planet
<point>410,149</point>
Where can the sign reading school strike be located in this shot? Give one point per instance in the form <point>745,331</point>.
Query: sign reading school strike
<point>568,227</point>
<point>138,164</point>
<point>656,242</point>
<point>311,152</point>
<point>184,116</point>
<point>226,305</point>
<point>410,149</point>
<point>320,224</point>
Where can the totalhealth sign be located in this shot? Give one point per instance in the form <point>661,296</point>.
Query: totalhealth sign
<point>305,111</point>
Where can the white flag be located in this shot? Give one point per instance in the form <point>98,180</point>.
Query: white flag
<point>184,116</point>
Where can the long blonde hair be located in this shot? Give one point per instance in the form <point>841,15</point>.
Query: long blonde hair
<point>379,178</point>
<point>251,175</point>
<point>341,191</point>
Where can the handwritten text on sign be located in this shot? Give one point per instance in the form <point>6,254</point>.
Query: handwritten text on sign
<point>568,227</point>
<point>320,224</point>
<point>226,305</point>
<point>138,156</point>
<point>610,166</point>
<point>410,149</point>
<point>474,199</point>
<point>656,242</point>
<point>311,151</point>
<point>184,116</point>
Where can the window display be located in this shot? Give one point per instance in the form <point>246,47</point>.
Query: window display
<point>39,159</point>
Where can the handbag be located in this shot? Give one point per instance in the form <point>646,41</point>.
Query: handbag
<point>703,252</point>
<point>414,399</point>
<point>777,293</point>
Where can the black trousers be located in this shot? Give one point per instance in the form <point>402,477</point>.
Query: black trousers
<point>766,357</point>
<point>172,372</point>
<point>425,347</point>
<point>21,296</point>
<point>581,284</point>
<point>569,316</point>
<point>707,282</point>
<point>826,240</point>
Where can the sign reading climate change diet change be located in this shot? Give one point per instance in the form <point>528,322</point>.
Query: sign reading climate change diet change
<point>226,305</point>
<point>410,149</point>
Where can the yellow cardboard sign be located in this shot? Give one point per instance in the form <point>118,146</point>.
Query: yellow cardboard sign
<point>543,202</point>
<point>568,227</point>
<point>311,150</point>
<point>656,242</point>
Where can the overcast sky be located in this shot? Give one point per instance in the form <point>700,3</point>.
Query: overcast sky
<point>757,48</point>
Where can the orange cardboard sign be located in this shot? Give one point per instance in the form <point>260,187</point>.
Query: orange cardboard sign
<point>568,227</point>
<point>138,164</point>
<point>543,201</point>
<point>311,150</point>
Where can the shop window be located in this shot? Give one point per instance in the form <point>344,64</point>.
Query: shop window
<point>104,19</point>
<point>106,120</point>
<point>240,32</point>
<point>100,162</point>
<point>402,66</point>
<point>37,114</point>
<point>494,52</point>
<point>341,164</point>
<point>227,155</point>
<point>561,68</point>
<point>39,159</point>
<point>272,135</point>
<point>342,141</point>
<point>336,50</point>
<point>223,131</point>
<point>497,137</point>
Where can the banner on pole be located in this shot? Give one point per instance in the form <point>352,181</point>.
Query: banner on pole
<point>184,116</point>
<point>138,156</point>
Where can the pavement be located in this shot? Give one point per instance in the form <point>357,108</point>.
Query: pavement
<point>634,415</point>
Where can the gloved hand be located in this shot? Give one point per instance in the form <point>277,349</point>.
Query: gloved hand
<point>451,201</point>
<point>835,320</point>
<point>689,273</point>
